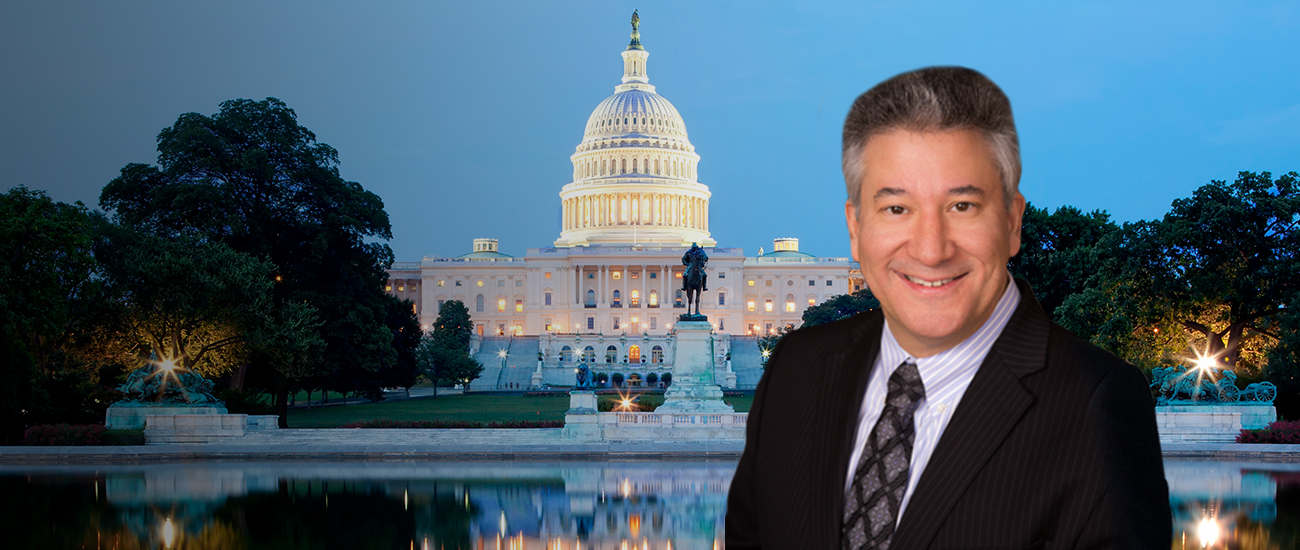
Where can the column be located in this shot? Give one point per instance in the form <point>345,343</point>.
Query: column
<point>600,286</point>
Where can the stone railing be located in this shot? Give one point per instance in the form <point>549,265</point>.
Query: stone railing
<point>626,419</point>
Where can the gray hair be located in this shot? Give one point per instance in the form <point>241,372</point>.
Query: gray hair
<point>930,100</point>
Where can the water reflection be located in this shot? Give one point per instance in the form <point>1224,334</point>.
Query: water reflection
<point>519,505</point>
<point>638,505</point>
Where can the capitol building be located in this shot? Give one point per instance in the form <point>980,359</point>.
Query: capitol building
<point>608,290</point>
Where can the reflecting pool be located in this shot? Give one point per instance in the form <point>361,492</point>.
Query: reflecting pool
<point>510,505</point>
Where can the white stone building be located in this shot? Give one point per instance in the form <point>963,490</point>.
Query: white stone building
<point>610,285</point>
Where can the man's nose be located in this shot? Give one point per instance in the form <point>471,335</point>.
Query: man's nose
<point>930,244</point>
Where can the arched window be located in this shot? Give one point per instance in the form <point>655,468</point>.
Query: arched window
<point>654,298</point>
<point>789,302</point>
<point>656,167</point>
<point>634,354</point>
<point>624,217</point>
<point>591,299</point>
<point>657,354</point>
<point>478,303</point>
<point>611,354</point>
<point>635,298</point>
<point>616,299</point>
<point>589,354</point>
<point>634,166</point>
<point>566,354</point>
<point>624,167</point>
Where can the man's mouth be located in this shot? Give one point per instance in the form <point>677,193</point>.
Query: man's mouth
<point>930,284</point>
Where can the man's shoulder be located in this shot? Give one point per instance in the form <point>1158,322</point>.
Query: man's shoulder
<point>834,336</point>
<point>1089,361</point>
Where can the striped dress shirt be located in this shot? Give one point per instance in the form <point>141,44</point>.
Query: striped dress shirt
<point>945,376</point>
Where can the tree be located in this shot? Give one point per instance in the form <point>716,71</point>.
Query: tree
<point>443,354</point>
<point>839,307</point>
<point>405,326</point>
<point>252,178</point>
<point>1058,251</point>
<point>1210,278</point>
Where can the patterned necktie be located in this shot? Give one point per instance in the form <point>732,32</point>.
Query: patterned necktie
<point>872,502</point>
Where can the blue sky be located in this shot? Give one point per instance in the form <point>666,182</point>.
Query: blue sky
<point>462,116</point>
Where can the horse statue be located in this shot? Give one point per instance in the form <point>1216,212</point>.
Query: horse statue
<point>695,280</point>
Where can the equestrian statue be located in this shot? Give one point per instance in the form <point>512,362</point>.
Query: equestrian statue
<point>694,281</point>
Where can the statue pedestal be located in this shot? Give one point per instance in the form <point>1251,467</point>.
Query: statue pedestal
<point>131,416</point>
<point>581,421</point>
<point>1187,423</point>
<point>694,389</point>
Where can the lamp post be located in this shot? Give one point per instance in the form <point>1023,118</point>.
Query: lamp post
<point>502,353</point>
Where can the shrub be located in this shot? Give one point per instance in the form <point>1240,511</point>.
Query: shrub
<point>667,378</point>
<point>245,402</point>
<point>617,378</point>
<point>123,437</point>
<point>1281,431</point>
<point>64,434</point>
<point>651,379</point>
<point>444,424</point>
<point>545,394</point>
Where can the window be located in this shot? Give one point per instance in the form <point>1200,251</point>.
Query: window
<point>616,302</point>
<point>440,302</point>
<point>654,323</point>
<point>566,353</point>
<point>388,288</point>
<point>654,275</point>
<point>591,299</point>
<point>519,283</point>
<point>619,274</point>
<point>828,282</point>
<point>501,329</point>
<point>591,323</point>
<point>548,274</point>
<point>657,354</point>
<point>722,323</point>
<point>812,282</point>
<point>442,283</point>
<point>654,298</point>
<point>634,274</point>
<point>767,305</point>
<point>457,283</point>
<point>616,325</point>
<point>722,274</point>
<point>767,282</point>
<point>812,302</point>
<point>750,305</point>
<point>591,275</point>
<point>478,303</point>
<point>634,354</point>
<point>501,283</point>
<point>501,304</point>
<point>611,354</point>
<point>789,306</point>
<point>479,328</point>
<point>519,305</point>
<point>722,298</point>
<point>751,282</point>
<point>589,354</point>
<point>480,283</point>
<point>677,274</point>
<point>548,298</point>
<point>635,299</point>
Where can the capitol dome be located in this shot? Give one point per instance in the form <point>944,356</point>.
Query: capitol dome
<point>634,173</point>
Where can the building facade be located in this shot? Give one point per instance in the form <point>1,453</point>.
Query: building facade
<point>633,208</point>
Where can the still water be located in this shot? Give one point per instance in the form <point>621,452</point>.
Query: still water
<point>514,505</point>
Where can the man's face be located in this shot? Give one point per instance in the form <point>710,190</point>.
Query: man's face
<point>933,234</point>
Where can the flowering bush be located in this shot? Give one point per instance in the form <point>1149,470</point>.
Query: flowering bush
<point>1281,431</point>
<point>64,434</point>
<point>442,424</point>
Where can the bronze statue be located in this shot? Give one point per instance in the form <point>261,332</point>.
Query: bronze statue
<point>636,21</point>
<point>584,377</point>
<point>695,280</point>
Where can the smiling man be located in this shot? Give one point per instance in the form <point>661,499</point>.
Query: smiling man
<point>959,415</point>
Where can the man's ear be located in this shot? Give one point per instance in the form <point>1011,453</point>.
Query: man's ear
<point>1017,218</point>
<point>851,218</point>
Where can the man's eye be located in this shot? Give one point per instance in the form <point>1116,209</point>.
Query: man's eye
<point>962,206</point>
<point>896,210</point>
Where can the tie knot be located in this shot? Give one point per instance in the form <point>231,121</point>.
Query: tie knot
<point>905,387</point>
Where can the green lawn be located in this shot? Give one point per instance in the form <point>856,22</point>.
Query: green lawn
<point>469,408</point>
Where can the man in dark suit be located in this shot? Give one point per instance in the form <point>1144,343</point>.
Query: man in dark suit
<point>959,415</point>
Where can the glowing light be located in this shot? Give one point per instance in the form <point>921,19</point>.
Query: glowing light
<point>766,353</point>
<point>1208,531</point>
<point>627,488</point>
<point>167,365</point>
<point>168,533</point>
<point>1205,363</point>
<point>502,353</point>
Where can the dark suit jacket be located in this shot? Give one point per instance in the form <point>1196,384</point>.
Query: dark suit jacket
<point>1053,445</point>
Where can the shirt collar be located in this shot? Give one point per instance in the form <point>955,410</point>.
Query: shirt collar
<point>964,357</point>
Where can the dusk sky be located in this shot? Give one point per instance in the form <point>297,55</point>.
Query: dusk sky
<point>462,116</point>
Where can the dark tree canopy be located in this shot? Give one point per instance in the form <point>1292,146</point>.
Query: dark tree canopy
<point>1058,251</point>
<point>840,307</point>
<point>443,354</point>
<point>252,178</point>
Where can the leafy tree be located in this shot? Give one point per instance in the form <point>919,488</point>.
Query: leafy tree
<point>618,379</point>
<point>252,178</point>
<point>839,307</point>
<point>47,298</point>
<point>443,355</point>
<point>1210,278</point>
<point>405,326</point>
<point>1058,251</point>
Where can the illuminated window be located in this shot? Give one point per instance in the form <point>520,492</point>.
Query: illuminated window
<point>768,282</point>
<point>654,298</point>
<point>519,305</point>
<point>457,283</point>
<point>388,288</point>
<point>812,301</point>
<point>401,289</point>
<point>618,275</point>
<point>767,305</point>
<point>789,306</point>
<point>751,282</point>
<point>677,274</point>
<point>635,299</point>
<point>634,275</point>
<point>442,283</point>
<point>501,304</point>
<point>480,283</point>
<point>750,305</point>
<point>548,274</point>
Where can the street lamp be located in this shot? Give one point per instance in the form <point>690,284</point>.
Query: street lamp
<point>502,353</point>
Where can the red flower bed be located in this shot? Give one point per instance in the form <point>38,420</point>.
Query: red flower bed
<point>64,434</point>
<point>1281,431</point>
<point>443,424</point>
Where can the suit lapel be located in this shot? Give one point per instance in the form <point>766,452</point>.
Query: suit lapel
<point>993,404</point>
<point>852,368</point>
